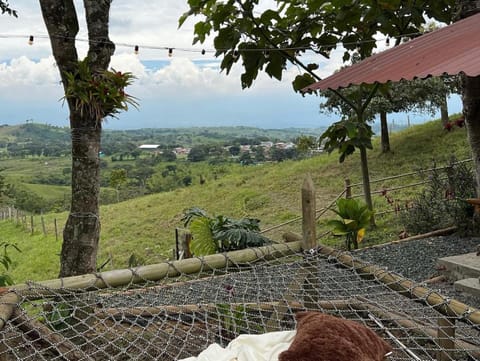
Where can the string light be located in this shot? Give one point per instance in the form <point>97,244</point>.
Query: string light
<point>266,51</point>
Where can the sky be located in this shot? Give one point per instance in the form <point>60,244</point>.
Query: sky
<point>184,90</point>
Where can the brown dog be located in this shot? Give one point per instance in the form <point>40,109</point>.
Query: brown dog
<point>321,337</point>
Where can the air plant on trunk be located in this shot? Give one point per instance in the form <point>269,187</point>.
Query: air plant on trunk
<point>99,94</point>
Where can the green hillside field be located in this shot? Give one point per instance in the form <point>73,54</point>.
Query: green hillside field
<point>145,226</point>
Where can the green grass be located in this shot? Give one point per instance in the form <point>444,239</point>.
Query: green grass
<point>270,192</point>
<point>27,169</point>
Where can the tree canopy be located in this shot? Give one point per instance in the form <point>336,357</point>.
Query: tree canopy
<point>268,39</point>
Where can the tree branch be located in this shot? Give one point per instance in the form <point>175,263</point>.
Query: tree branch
<point>100,47</point>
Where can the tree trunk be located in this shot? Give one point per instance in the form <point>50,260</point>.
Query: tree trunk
<point>384,132</point>
<point>471,101</point>
<point>444,111</point>
<point>82,230</point>
<point>471,111</point>
<point>366,181</point>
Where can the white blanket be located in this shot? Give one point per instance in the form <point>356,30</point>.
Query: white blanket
<point>265,347</point>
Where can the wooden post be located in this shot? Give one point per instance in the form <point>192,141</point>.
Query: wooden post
<point>31,223</point>
<point>186,239</point>
<point>309,223</point>
<point>43,225</point>
<point>446,338</point>
<point>348,188</point>
<point>176,251</point>
<point>56,229</point>
<point>309,242</point>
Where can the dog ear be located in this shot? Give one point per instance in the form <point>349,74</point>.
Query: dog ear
<point>301,315</point>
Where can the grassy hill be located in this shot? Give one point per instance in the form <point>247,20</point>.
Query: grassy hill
<point>271,192</point>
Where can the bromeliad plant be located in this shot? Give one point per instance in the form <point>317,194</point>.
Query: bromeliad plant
<point>221,234</point>
<point>355,217</point>
<point>98,94</point>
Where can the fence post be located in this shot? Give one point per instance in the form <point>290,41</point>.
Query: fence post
<point>31,223</point>
<point>348,188</point>
<point>43,225</point>
<point>56,229</point>
<point>186,239</point>
<point>309,242</point>
<point>309,223</point>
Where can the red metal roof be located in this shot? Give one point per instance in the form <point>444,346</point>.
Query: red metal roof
<point>450,50</point>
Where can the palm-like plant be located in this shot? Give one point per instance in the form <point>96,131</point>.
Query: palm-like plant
<point>355,217</point>
<point>221,234</point>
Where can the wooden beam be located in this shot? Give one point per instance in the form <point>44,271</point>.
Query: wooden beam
<point>155,272</point>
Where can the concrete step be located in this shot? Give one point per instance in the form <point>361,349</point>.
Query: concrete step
<point>470,285</point>
<point>461,266</point>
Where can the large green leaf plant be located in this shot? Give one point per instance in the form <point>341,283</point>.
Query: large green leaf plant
<point>354,218</point>
<point>215,234</point>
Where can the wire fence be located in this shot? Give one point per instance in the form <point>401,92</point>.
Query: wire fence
<point>175,310</point>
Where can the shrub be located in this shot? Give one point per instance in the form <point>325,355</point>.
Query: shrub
<point>354,218</point>
<point>443,201</point>
<point>220,233</point>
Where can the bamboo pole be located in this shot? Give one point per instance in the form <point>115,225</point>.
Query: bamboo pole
<point>119,312</point>
<point>8,302</point>
<point>42,334</point>
<point>414,326</point>
<point>450,308</point>
<point>155,272</point>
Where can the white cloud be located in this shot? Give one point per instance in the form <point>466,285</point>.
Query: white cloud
<point>23,71</point>
<point>187,80</point>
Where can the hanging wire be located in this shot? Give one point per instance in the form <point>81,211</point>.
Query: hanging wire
<point>170,49</point>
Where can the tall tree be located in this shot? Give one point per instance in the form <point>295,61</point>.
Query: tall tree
<point>405,96</point>
<point>92,93</point>
<point>267,40</point>
<point>471,101</point>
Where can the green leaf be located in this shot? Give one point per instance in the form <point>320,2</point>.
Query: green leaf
<point>227,38</point>
<point>302,81</point>
<point>202,29</point>
<point>338,227</point>
<point>275,65</point>
<point>202,238</point>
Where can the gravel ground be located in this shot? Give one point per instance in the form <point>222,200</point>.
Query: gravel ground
<point>417,260</point>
